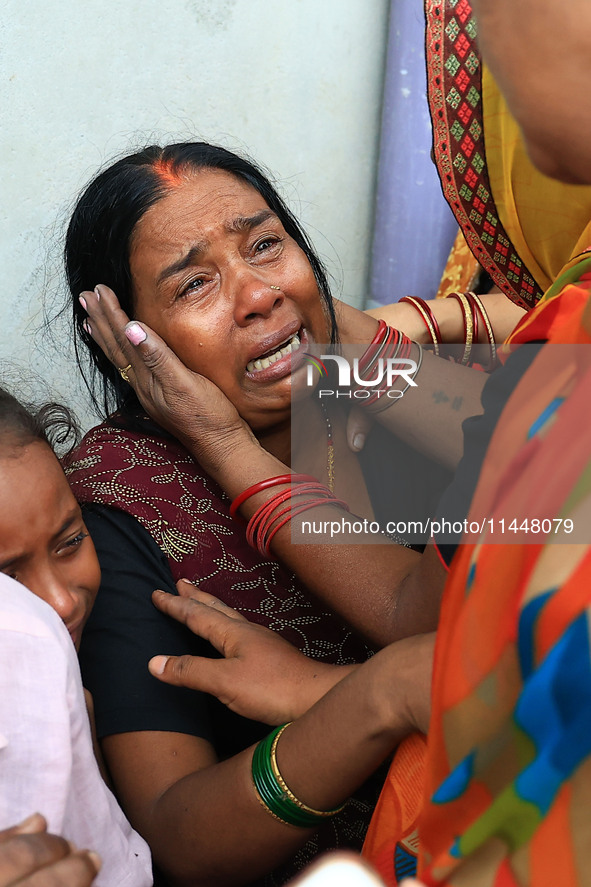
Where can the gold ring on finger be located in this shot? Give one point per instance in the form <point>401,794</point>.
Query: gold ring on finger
<point>123,373</point>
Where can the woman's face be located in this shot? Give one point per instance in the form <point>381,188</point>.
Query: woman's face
<point>44,543</point>
<point>216,275</point>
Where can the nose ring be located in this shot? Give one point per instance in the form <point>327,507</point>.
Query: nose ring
<point>275,288</point>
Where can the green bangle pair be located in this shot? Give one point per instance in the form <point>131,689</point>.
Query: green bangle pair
<point>274,794</point>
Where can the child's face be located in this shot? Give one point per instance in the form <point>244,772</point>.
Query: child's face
<point>43,540</point>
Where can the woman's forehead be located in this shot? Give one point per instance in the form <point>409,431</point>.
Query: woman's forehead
<point>206,206</point>
<point>206,196</point>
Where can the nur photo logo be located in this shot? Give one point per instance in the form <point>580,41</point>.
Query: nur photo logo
<point>385,374</point>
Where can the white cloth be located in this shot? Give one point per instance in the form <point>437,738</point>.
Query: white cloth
<point>47,764</point>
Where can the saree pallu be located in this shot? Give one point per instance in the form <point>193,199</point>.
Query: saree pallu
<point>507,784</point>
<point>522,227</point>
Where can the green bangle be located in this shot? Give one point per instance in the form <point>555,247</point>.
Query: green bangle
<point>273,792</point>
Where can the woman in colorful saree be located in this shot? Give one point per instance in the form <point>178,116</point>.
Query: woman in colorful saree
<point>508,760</point>
<point>507,768</point>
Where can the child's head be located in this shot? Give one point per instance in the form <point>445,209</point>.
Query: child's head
<point>43,540</point>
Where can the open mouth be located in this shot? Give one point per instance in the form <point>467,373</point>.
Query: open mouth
<point>266,360</point>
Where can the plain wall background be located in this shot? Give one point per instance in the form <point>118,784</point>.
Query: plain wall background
<point>297,84</point>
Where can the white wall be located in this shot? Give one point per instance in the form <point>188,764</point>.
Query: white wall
<point>297,84</point>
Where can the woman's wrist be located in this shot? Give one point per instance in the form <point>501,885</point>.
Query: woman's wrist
<point>404,318</point>
<point>322,678</point>
<point>412,663</point>
<point>355,327</point>
<point>225,453</point>
<point>327,753</point>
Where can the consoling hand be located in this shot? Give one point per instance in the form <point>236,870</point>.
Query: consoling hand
<point>262,676</point>
<point>187,404</point>
<point>29,857</point>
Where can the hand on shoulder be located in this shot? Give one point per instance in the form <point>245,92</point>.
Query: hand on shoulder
<point>262,676</point>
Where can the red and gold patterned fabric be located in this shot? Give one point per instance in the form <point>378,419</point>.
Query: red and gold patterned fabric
<point>522,227</point>
<point>557,314</point>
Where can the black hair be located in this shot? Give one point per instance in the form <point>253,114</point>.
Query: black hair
<point>21,425</point>
<point>98,241</point>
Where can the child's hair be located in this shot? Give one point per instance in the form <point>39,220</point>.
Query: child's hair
<point>22,424</point>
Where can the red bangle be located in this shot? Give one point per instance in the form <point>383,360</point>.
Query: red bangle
<point>263,516</point>
<point>315,503</point>
<point>265,485</point>
<point>458,299</point>
<point>263,519</point>
<point>427,316</point>
<point>389,347</point>
<point>475,315</point>
<point>402,350</point>
<point>381,339</point>
<point>382,325</point>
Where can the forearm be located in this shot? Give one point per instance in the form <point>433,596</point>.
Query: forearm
<point>355,726</point>
<point>355,580</point>
<point>445,393</point>
<point>502,313</point>
<point>210,826</point>
<point>429,416</point>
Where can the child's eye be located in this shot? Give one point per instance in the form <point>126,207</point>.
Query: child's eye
<point>72,543</point>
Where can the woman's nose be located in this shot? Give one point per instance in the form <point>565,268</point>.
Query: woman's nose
<point>255,297</point>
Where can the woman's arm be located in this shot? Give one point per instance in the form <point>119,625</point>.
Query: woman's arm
<point>260,676</point>
<point>446,393</point>
<point>203,819</point>
<point>503,315</point>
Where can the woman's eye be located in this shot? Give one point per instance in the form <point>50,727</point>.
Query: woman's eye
<point>191,287</point>
<point>73,543</point>
<point>266,244</point>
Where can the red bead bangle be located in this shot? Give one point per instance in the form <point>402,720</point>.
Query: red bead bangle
<point>266,484</point>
